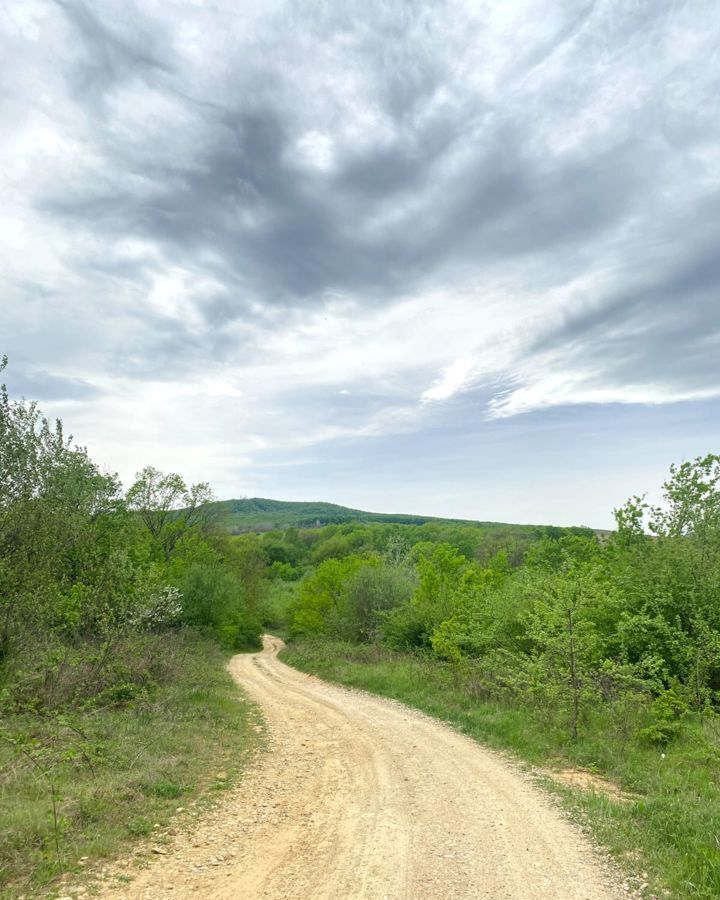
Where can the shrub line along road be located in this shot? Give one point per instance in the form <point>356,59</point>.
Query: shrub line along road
<point>361,797</point>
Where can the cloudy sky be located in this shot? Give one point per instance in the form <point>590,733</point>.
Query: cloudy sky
<point>459,258</point>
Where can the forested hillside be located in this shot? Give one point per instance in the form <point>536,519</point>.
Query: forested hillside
<point>260,514</point>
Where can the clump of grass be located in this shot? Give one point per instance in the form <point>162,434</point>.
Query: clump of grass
<point>667,834</point>
<point>87,781</point>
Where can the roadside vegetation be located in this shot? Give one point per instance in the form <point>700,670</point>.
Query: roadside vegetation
<point>598,656</point>
<point>117,612</point>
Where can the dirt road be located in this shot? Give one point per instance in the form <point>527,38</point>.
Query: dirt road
<point>360,797</point>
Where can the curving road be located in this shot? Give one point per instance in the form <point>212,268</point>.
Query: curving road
<point>361,797</point>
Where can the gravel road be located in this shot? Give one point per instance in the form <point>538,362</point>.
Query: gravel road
<point>361,797</point>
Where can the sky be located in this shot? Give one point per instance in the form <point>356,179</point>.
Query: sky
<point>452,258</point>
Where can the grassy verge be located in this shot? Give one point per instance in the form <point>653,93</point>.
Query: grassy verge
<point>86,782</point>
<point>665,831</point>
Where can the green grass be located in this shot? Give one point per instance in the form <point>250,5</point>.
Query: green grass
<point>666,835</point>
<point>119,772</point>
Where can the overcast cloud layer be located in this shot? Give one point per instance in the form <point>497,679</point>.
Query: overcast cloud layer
<point>296,251</point>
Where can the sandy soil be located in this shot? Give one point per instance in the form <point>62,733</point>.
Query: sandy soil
<point>360,797</point>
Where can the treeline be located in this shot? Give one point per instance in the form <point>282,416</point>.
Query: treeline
<point>293,553</point>
<point>258,514</point>
<point>85,567</point>
<point>556,621</point>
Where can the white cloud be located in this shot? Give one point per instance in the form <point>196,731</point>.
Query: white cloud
<point>453,379</point>
<point>316,150</point>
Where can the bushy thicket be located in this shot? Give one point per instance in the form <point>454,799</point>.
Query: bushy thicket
<point>292,553</point>
<point>89,574</point>
<point>630,623</point>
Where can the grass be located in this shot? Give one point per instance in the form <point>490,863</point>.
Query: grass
<point>665,834</point>
<point>89,782</point>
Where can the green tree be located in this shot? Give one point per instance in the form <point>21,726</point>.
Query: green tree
<point>168,507</point>
<point>321,602</point>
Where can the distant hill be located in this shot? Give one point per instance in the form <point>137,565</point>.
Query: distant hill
<point>260,514</point>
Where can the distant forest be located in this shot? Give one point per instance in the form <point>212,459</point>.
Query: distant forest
<point>260,514</point>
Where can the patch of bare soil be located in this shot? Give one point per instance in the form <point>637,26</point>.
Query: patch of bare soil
<point>590,782</point>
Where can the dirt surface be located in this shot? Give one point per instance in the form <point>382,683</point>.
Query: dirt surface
<point>360,797</point>
<point>590,782</point>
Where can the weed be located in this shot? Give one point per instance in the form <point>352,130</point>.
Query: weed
<point>104,776</point>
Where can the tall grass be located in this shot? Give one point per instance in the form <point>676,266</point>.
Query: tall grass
<point>87,781</point>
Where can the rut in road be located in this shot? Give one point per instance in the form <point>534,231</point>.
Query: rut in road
<point>361,797</point>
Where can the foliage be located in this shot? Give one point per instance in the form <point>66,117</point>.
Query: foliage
<point>168,507</point>
<point>606,651</point>
<point>579,622</point>
<point>322,601</point>
<point>96,586</point>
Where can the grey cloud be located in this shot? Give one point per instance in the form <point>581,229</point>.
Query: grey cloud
<point>456,178</point>
<point>110,56</point>
<point>168,348</point>
<point>565,34</point>
<point>39,385</point>
<point>664,332</point>
<point>308,237</point>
